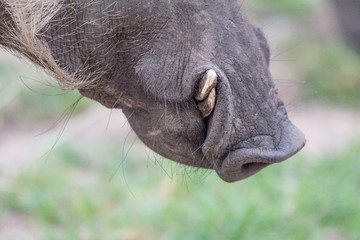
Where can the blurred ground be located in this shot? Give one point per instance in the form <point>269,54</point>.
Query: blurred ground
<point>99,182</point>
<point>328,130</point>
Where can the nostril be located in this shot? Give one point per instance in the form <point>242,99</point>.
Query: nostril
<point>244,162</point>
<point>243,170</point>
<point>254,166</point>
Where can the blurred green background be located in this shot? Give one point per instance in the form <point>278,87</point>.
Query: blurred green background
<point>72,169</point>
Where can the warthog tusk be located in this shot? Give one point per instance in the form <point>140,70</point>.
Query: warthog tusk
<point>207,106</point>
<point>206,84</point>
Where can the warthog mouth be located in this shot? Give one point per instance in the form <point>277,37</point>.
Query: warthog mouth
<point>245,162</point>
<point>233,157</point>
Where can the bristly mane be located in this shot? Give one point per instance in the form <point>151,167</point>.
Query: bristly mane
<point>20,33</point>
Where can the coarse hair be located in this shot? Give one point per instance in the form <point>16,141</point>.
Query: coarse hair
<point>20,33</point>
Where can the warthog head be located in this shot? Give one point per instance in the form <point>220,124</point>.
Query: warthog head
<point>191,76</point>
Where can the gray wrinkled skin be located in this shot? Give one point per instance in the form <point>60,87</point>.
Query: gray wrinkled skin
<point>149,55</point>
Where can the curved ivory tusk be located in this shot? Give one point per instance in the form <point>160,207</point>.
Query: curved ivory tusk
<point>207,106</point>
<point>206,84</point>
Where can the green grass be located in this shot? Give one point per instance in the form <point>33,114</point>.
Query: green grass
<point>70,196</point>
<point>28,94</point>
<point>332,72</point>
<point>288,8</point>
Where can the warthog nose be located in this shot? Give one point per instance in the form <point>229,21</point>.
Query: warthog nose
<point>254,166</point>
<point>244,162</point>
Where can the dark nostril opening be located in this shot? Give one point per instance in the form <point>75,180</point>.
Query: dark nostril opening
<point>254,166</point>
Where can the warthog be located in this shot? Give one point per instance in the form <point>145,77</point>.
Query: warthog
<point>191,76</point>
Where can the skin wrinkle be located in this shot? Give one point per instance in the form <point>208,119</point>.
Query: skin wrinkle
<point>257,103</point>
<point>147,57</point>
